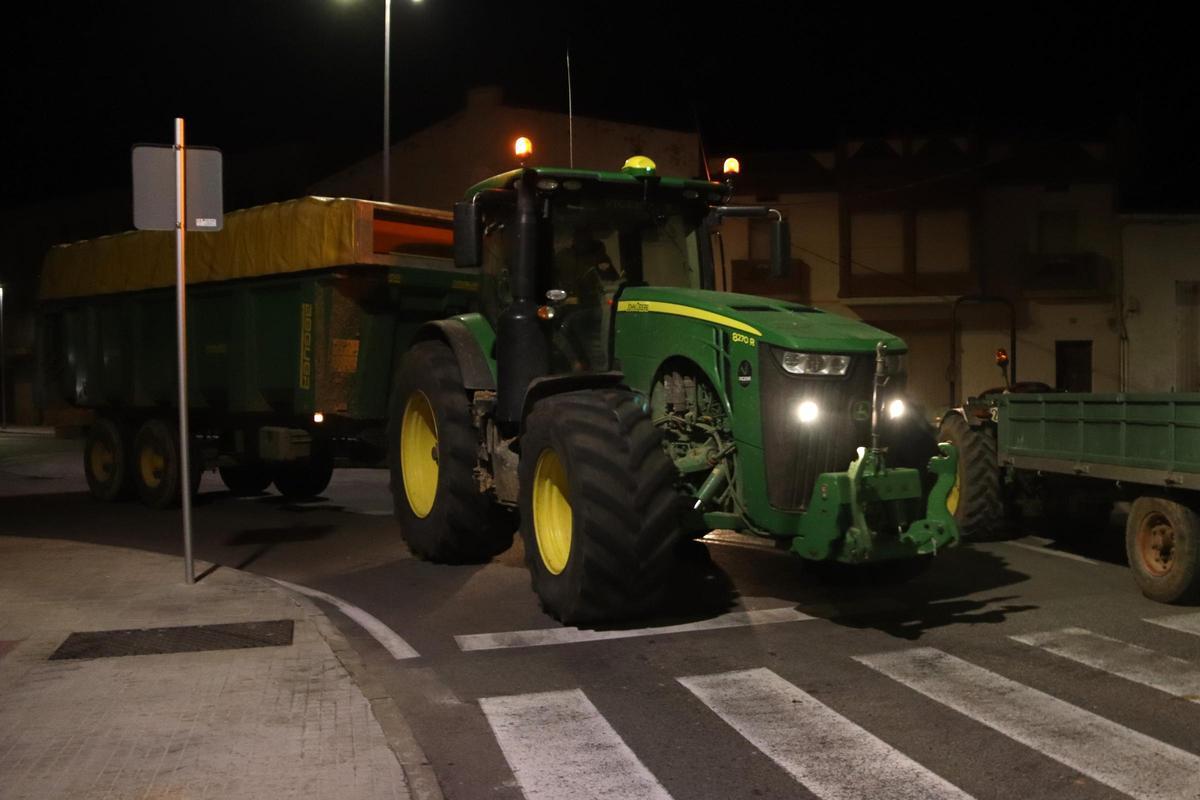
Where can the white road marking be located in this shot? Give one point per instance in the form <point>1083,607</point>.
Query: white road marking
<point>1156,670</point>
<point>387,637</point>
<point>834,758</point>
<point>1128,761</point>
<point>1185,623</point>
<point>561,748</point>
<point>1046,551</point>
<point>547,636</point>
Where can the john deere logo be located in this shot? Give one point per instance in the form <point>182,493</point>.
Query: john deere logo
<point>861,411</point>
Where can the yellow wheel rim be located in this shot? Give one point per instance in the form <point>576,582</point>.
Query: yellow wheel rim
<point>418,454</point>
<point>551,512</point>
<point>151,464</point>
<point>100,460</point>
<point>953,497</point>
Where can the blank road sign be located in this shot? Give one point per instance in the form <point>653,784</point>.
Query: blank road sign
<point>154,188</point>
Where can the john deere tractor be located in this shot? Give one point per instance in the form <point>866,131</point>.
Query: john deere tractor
<point>609,403</point>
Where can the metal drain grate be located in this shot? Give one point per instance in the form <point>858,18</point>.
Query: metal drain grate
<point>185,639</point>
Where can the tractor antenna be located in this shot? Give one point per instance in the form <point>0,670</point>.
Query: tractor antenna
<point>570,112</point>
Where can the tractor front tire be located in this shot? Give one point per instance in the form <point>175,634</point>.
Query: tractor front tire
<point>599,512</point>
<point>976,500</point>
<point>1162,540</point>
<point>432,454</point>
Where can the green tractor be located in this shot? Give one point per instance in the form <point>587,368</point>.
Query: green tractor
<point>611,404</point>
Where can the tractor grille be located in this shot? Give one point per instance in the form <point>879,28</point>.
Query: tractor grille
<point>795,452</point>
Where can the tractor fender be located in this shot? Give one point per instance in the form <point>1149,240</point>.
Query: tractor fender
<point>476,374</point>
<point>541,388</point>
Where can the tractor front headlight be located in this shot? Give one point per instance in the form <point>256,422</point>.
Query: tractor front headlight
<point>814,363</point>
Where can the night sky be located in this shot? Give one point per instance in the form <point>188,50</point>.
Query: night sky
<point>84,81</point>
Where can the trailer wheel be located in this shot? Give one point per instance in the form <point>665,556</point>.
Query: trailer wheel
<point>156,465</point>
<point>433,454</point>
<point>106,460</point>
<point>975,500</point>
<point>246,480</point>
<point>1162,540</point>
<point>599,513</point>
<point>305,478</point>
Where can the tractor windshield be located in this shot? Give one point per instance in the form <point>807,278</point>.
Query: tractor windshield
<point>606,237</point>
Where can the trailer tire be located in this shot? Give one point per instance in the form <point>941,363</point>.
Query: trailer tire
<point>599,512</point>
<point>976,500</point>
<point>1162,540</point>
<point>443,514</point>
<point>246,480</point>
<point>156,465</point>
<point>305,478</point>
<point>106,460</point>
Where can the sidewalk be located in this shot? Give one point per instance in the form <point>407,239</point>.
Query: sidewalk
<point>276,721</point>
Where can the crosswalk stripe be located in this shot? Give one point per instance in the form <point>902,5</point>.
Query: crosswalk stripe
<point>1156,670</point>
<point>548,636</point>
<point>1186,623</point>
<point>834,758</point>
<point>561,748</point>
<point>1109,753</point>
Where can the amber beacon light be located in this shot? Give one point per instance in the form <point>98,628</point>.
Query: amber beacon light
<point>523,148</point>
<point>732,166</point>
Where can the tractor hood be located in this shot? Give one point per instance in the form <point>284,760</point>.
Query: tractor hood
<point>776,322</point>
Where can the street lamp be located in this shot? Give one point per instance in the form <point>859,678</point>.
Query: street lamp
<point>387,98</point>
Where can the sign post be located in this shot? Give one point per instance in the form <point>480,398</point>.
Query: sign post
<point>179,188</point>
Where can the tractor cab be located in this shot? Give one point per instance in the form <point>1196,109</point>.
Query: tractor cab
<point>557,248</point>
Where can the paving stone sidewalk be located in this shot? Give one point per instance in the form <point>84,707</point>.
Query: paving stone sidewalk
<point>262,722</point>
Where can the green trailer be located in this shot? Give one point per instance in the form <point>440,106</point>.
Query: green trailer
<point>295,311</point>
<point>1075,454</point>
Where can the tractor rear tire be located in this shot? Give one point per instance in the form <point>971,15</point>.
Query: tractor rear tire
<point>433,454</point>
<point>599,512</point>
<point>246,480</point>
<point>1162,540</point>
<point>976,501</point>
<point>106,460</point>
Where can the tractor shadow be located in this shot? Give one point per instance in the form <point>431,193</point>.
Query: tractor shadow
<point>881,597</point>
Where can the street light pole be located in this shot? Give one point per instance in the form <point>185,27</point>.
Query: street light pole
<point>387,100</point>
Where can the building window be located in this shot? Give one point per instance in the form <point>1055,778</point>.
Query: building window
<point>1073,365</point>
<point>877,243</point>
<point>943,240</point>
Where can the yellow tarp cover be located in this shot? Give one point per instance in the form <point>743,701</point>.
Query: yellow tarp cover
<point>296,235</point>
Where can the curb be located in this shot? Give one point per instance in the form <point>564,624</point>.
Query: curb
<point>422,781</point>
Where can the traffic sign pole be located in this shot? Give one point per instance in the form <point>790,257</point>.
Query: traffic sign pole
<point>185,465</point>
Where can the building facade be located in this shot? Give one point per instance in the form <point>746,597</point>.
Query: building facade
<point>940,240</point>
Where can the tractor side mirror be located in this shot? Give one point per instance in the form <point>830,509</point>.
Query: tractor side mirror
<point>468,234</point>
<point>781,249</point>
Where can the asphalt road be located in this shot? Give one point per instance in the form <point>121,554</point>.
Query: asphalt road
<point>1024,668</point>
